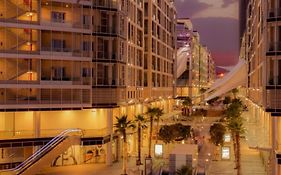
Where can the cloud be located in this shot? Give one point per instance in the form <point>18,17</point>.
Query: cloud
<point>195,7</point>
<point>220,8</point>
<point>226,3</point>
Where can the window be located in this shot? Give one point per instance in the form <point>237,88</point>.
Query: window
<point>58,17</point>
<point>86,72</point>
<point>86,21</point>
<point>57,45</point>
<point>58,73</point>
<point>86,46</point>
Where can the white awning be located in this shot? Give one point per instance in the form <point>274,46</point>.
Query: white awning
<point>182,59</point>
<point>235,78</point>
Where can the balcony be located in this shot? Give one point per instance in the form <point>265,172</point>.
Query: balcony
<point>104,30</point>
<point>273,48</point>
<point>273,100</point>
<point>274,15</point>
<point>39,97</point>
<point>110,4</point>
<point>25,12</point>
<point>16,40</point>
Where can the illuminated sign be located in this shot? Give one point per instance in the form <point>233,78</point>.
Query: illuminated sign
<point>227,138</point>
<point>158,150</point>
<point>225,152</point>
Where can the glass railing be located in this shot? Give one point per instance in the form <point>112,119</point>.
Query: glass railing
<point>106,4</point>
<point>274,13</point>
<point>274,47</point>
<point>104,29</point>
<point>49,133</point>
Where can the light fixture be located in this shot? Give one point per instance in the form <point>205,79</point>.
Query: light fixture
<point>29,14</point>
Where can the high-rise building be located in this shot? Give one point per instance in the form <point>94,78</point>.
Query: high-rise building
<point>243,4</point>
<point>79,64</point>
<point>261,48</point>
<point>195,66</point>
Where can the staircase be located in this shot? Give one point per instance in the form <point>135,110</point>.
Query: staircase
<point>21,8</point>
<point>45,155</point>
<point>251,163</point>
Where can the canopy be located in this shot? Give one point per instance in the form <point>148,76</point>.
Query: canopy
<point>182,59</point>
<point>235,78</point>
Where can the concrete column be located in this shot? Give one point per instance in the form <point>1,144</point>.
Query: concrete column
<point>274,144</point>
<point>110,131</point>
<point>36,127</point>
<point>36,123</point>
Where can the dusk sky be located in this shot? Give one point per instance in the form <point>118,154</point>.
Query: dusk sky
<point>218,25</point>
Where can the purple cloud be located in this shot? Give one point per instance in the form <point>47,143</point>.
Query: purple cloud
<point>187,8</point>
<point>226,3</point>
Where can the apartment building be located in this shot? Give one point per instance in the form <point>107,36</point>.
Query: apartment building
<point>195,66</point>
<point>78,64</point>
<point>262,48</point>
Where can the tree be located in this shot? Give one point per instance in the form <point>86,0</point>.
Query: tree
<point>187,103</point>
<point>166,134</point>
<point>235,125</point>
<point>121,126</point>
<point>140,121</point>
<point>175,132</point>
<point>217,132</point>
<point>151,112</point>
<point>234,92</point>
<point>184,170</point>
<point>227,100</point>
<point>159,113</point>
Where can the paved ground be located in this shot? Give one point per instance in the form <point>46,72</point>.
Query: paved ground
<point>92,169</point>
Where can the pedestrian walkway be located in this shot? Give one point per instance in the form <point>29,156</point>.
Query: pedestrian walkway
<point>93,169</point>
<point>251,163</point>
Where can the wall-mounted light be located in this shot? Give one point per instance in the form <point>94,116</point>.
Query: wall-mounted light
<point>94,110</point>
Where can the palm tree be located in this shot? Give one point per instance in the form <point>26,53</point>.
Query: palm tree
<point>184,170</point>
<point>187,103</point>
<point>151,112</point>
<point>159,113</point>
<point>121,126</point>
<point>140,121</point>
<point>235,125</point>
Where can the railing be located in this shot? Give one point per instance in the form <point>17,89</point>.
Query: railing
<point>50,133</point>
<point>106,3</point>
<point>43,151</point>
<point>105,29</point>
<point>274,46</point>
<point>274,13</point>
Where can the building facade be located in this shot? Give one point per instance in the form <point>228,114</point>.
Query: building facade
<point>261,48</point>
<point>195,66</point>
<point>80,63</point>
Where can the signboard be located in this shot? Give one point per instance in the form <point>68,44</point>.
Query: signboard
<point>227,138</point>
<point>158,150</point>
<point>225,153</point>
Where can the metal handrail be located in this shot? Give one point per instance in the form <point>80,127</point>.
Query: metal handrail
<point>45,149</point>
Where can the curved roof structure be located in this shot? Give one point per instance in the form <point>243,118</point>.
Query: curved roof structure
<point>235,78</point>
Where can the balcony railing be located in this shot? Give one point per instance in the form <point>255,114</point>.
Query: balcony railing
<point>104,30</point>
<point>274,13</point>
<point>274,47</point>
<point>50,133</point>
<point>68,51</point>
<point>112,4</point>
